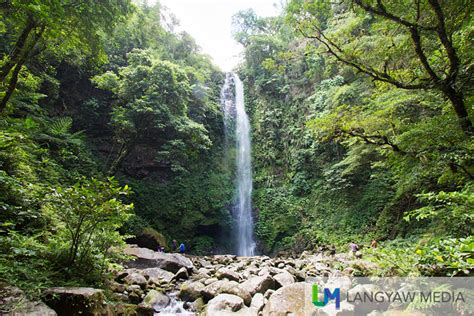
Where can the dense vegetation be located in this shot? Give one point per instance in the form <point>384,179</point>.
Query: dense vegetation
<point>361,125</point>
<point>111,127</point>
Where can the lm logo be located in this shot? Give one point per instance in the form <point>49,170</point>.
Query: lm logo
<point>335,295</point>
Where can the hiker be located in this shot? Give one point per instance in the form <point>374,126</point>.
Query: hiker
<point>373,244</point>
<point>354,250</point>
<point>174,245</point>
<point>182,248</point>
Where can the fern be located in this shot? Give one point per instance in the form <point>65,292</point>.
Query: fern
<point>60,126</point>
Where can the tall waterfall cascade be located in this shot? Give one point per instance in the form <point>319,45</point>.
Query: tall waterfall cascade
<point>236,123</point>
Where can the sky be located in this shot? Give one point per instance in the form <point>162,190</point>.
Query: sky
<point>209,23</point>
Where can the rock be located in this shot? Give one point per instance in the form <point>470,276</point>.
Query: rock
<point>346,309</point>
<point>134,288</point>
<point>154,300</point>
<point>134,298</point>
<point>136,278</point>
<point>343,282</point>
<point>117,287</point>
<point>14,302</point>
<point>227,274</point>
<point>259,284</point>
<point>182,274</point>
<point>125,309</point>
<point>157,275</point>
<point>190,291</point>
<point>145,310</point>
<point>120,297</point>
<point>75,300</point>
<point>210,281</point>
<point>200,276</point>
<point>146,258</point>
<point>283,279</point>
<point>149,238</point>
<point>298,274</point>
<point>293,299</point>
<point>268,293</point>
<point>356,294</point>
<point>29,308</point>
<point>227,287</point>
<point>257,303</point>
<point>226,304</point>
<point>395,312</point>
<point>204,271</point>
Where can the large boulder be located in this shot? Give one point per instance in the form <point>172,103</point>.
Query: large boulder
<point>190,291</point>
<point>294,299</point>
<point>259,284</point>
<point>14,302</point>
<point>146,258</point>
<point>226,304</point>
<point>224,273</point>
<point>136,278</point>
<point>149,238</point>
<point>283,279</point>
<point>75,300</point>
<point>153,301</point>
<point>257,303</point>
<point>227,287</point>
<point>156,275</point>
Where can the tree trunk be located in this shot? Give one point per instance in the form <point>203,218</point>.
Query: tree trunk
<point>19,64</point>
<point>123,153</point>
<point>459,106</point>
<point>18,50</point>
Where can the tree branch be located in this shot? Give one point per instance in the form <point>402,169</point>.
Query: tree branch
<point>445,40</point>
<point>377,75</point>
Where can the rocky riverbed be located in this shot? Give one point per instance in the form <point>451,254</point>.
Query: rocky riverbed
<point>173,284</point>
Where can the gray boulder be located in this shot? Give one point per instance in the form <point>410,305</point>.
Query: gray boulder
<point>224,273</point>
<point>75,300</point>
<point>226,304</point>
<point>157,275</point>
<point>190,291</point>
<point>146,258</point>
<point>293,299</point>
<point>259,284</point>
<point>226,287</point>
<point>283,279</point>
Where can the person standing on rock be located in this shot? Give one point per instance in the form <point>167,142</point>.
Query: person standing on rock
<point>182,248</point>
<point>174,245</point>
<point>373,244</point>
<point>354,248</point>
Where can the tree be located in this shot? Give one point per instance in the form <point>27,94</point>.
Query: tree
<point>53,25</point>
<point>377,41</point>
<point>152,98</point>
<point>88,215</point>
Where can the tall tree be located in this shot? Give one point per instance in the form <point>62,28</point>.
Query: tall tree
<point>414,45</point>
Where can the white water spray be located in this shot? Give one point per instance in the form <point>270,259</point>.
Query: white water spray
<point>233,106</point>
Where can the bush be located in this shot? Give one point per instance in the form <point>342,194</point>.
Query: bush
<point>86,217</point>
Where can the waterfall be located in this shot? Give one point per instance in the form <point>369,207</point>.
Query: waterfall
<point>236,121</point>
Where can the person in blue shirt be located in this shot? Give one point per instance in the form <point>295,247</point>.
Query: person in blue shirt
<point>182,248</point>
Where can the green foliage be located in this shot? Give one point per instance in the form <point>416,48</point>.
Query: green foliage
<point>450,256</point>
<point>347,125</point>
<point>87,217</point>
<point>202,245</point>
<point>432,257</point>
